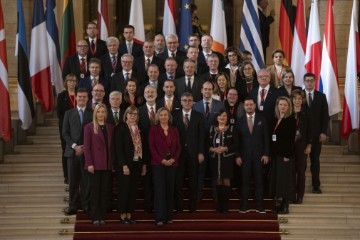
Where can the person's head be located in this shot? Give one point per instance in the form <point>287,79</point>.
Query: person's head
<point>91,29</point>
<point>112,44</point>
<point>194,40</point>
<point>278,56</point>
<point>193,8</point>
<point>283,107</point>
<point>163,116</point>
<point>247,70</point>
<point>169,88</point>
<point>82,48</point>
<point>221,118</point>
<point>130,86</point>
<point>98,93</point>
<point>170,65</point>
<point>81,97</point>
<point>232,96</point>
<point>129,32</point>
<point>264,77</point>
<point>70,82</point>
<point>131,115</point>
<point>309,81</point>
<point>189,67</point>
<point>150,94</point>
<point>233,55</point>
<point>207,90</point>
<point>148,48</point>
<point>297,97</point>
<point>187,101</point>
<point>159,42</point>
<point>213,62</point>
<point>223,81</point>
<point>247,56</point>
<point>288,78</point>
<point>249,105</point>
<point>127,62</point>
<point>99,113</point>
<point>263,4</point>
<point>192,53</point>
<point>94,66</point>
<point>115,99</point>
<point>153,72</point>
<point>206,42</point>
<point>172,42</point>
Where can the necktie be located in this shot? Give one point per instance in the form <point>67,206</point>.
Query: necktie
<point>83,65</point>
<point>113,59</point>
<point>92,45</point>
<point>173,55</point>
<point>188,85</point>
<point>310,100</point>
<point>128,47</point>
<point>126,76</point>
<point>168,104</point>
<point>207,56</point>
<point>152,115</point>
<point>207,109</point>
<point>187,121</point>
<point>262,96</point>
<point>148,63</point>
<point>171,77</point>
<point>81,114</point>
<point>250,124</point>
<point>116,118</point>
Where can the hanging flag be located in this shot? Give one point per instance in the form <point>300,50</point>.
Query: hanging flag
<point>218,27</point>
<point>53,45</point>
<point>286,28</point>
<point>313,47</point>
<point>185,25</point>
<point>169,18</point>
<point>329,71</point>
<point>68,45</point>
<point>299,45</point>
<point>5,116</point>
<point>103,19</point>
<point>137,20</point>
<point>250,36</point>
<point>25,98</point>
<point>350,117</point>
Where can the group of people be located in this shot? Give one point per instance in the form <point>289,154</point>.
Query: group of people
<point>156,115</point>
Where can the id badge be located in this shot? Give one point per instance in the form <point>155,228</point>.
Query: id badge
<point>217,141</point>
<point>232,121</point>
<point>82,75</point>
<point>261,108</point>
<point>274,137</point>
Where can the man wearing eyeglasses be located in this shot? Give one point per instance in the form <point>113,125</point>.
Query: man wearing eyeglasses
<point>98,94</point>
<point>78,63</point>
<point>120,78</point>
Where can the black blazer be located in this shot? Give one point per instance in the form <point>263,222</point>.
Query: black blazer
<point>285,138</point>
<point>160,102</point>
<point>100,49</point>
<point>202,59</point>
<point>200,69</point>
<point>159,89</point>
<point>303,124</point>
<point>136,51</point>
<point>144,126</point>
<point>284,92</point>
<point>163,76</point>
<point>72,65</point>
<point>208,77</point>
<point>63,104</point>
<point>110,117</point>
<point>118,81</point>
<point>192,139</point>
<point>107,69</point>
<point>180,57</point>
<point>265,28</point>
<point>180,85</point>
<point>139,67</point>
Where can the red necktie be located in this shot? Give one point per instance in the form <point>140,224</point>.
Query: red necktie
<point>83,65</point>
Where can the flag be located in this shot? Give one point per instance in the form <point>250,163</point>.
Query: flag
<point>286,28</point>
<point>169,18</point>
<point>350,117</point>
<point>103,19</point>
<point>185,25</point>
<point>250,35</point>
<point>53,45</point>
<point>5,116</point>
<point>299,44</point>
<point>25,98</point>
<point>137,20</point>
<point>313,46</point>
<point>68,45</point>
<point>218,27</point>
<point>329,71</point>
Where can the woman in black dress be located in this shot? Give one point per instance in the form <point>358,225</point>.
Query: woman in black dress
<point>131,97</point>
<point>288,83</point>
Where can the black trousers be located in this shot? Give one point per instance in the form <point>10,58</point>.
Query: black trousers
<point>299,168</point>
<point>315,162</point>
<point>99,190</point>
<point>63,158</point>
<point>147,182</point>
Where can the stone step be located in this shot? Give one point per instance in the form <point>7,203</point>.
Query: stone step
<point>50,237</point>
<point>52,122</point>
<point>307,237</point>
<point>50,149</point>
<point>323,230</point>
<point>33,198</point>
<point>32,158</point>
<point>32,208</point>
<point>317,208</point>
<point>335,177</point>
<point>58,178</point>
<point>44,139</point>
<point>327,198</point>
<point>31,187</point>
<point>324,218</point>
<point>34,230</point>
<point>48,131</point>
<point>338,158</point>
<point>28,219</point>
<point>337,188</point>
<point>326,149</point>
<point>28,167</point>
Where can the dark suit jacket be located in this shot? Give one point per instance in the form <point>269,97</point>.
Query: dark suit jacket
<point>97,151</point>
<point>160,102</point>
<point>319,114</point>
<point>100,49</point>
<point>265,28</point>
<point>63,104</point>
<point>202,59</point>
<point>139,67</point>
<point>118,81</point>
<point>284,92</point>
<point>200,69</point>
<point>193,138</point>
<point>86,83</point>
<point>163,76</point>
<point>180,85</point>
<point>180,57</point>
<point>136,51</point>
<point>208,77</point>
<point>107,69</point>
<point>110,117</point>
<point>285,138</point>
<point>73,130</point>
<point>216,107</point>
<point>72,65</point>
<point>159,89</point>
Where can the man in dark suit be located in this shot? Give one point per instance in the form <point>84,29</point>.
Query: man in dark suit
<point>318,106</point>
<point>265,22</point>
<point>153,73</point>
<point>172,45</point>
<point>78,63</point>
<point>97,47</point>
<point>213,70</point>
<point>110,62</point>
<point>191,126</point>
<point>119,79</point>
<point>98,96</point>
<point>193,54</point>
<point>169,100</point>
<point>206,44</point>
<point>209,107</point>
<point>171,72</point>
<point>254,153</point>
<point>159,41</point>
<point>115,115</point>
<point>142,63</point>
<point>189,83</point>
<point>73,133</point>
<point>129,45</point>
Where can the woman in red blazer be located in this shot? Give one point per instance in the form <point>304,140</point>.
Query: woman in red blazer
<point>164,145</point>
<point>99,159</point>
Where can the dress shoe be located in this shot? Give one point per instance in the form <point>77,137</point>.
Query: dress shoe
<point>96,222</point>
<point>316,190</point>
<point>70,211</point>
<point>169,222</point>
<point>125,221</point>
<point>260,210</point>
<point>131,221</point>
<point>299,201</point>
<point>102,222</point>
<point>159,224</point>
<point>243,210</point>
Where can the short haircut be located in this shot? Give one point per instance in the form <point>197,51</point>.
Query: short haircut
<point>207,35</point>
<point>171,36</point>
<point>249,99</point>
<point>213,55</point>
<point>91,23</point>
<point>309,75</point>
<point>95,60</point>
<point>187,94</point>
<point>221,111</point>
<point>82,90</point>
<point>127,55</point>
<point>129,26</point>
<point>111,40</point>
<point>194,35</point>
<point>277,51</point>
<point>188,60</point>
<point>191,46</point>
<point>115,93</point>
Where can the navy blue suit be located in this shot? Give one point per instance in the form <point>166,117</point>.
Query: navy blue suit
<point>136,50</point>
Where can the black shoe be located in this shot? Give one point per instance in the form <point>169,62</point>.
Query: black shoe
<point>316,190</point>
<point>125,221</point>
<point>169,222</point>
<point>131,221</point>
<point>299,201</point>
<point>102,222</point>
<point>96,222</point>
<point>244,210</point>
<point>70,211</point>
<point>159,224</point>
<point>66,180</point>
<point>260,210</point>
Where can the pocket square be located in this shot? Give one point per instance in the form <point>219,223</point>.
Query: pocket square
<point>259,123</point>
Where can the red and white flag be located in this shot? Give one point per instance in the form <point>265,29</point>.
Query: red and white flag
<point>299,44</point>
<point>137,20</point>
<point>313,47</point>
<point>5,116</point>
<point>103,19</point>
<point>218,27</point>
<point>169,26</point>
<point>39,58</point>
<point>350,118</point>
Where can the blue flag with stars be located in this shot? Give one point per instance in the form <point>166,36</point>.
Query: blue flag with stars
<point>185,25</point>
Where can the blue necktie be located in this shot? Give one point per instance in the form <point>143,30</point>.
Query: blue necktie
<point>81,114</point>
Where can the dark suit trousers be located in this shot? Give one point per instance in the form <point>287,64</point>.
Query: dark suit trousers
<point>100,187</point>
<point>78,178</point>
<point>256,167</point>
<point>164,184</point>
<point>315,162</point>
<point>190,166</point>
<point>300,168</point>
<point>127,187</point>
<point>64,159</point>
<point>148,189</point>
